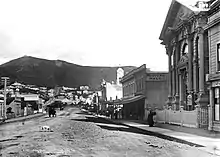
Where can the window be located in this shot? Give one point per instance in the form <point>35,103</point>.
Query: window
<point>216,104</point>
<point>171,62</point>
<point>218,56</point>
<point>185,49</point>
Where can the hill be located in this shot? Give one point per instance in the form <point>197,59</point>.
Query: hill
<point>42,72</point>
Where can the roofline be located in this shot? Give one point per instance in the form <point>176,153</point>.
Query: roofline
<point>132,72</point>
<point>166,20</point>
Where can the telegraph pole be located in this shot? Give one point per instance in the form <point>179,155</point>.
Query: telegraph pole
<point>5,80</point>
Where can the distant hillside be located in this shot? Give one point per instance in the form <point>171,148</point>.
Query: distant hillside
<point>42,72</point>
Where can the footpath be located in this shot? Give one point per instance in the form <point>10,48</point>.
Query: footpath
<point>18,119</point>
<point>32,116</point>
<point>202,139</point>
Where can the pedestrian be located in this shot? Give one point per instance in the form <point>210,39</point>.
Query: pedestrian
<point>150,119</point>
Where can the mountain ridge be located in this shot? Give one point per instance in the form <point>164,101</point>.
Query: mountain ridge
<point>51,73</point>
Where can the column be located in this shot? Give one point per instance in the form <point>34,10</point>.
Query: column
<point>170,73</point>
<point>181,88</point>
<point>168,102</point>
<point>201,62</point>
<point>195,68</point>
<point>203,97</point>
<point>177,55</point>
<point>174,73</point>
<point>190,70</point>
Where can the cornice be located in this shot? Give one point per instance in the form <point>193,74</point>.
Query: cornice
<point>212,23</point>
<point>131,74</point>
<point>184,24</point>
<point>213,77</point>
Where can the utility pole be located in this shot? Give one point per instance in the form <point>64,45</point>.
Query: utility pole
<point>5,80</point>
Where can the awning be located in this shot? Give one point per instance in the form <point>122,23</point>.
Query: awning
<point>132,99</point>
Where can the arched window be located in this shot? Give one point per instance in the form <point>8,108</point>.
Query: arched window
<point>185,49</point>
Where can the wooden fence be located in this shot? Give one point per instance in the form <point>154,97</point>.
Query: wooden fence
<point>195,119</point>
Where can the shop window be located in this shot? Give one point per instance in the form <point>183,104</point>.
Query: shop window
<point>218,56</point>
<point>216,105</point>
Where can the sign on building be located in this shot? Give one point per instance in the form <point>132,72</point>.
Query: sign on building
<point>156,77</point>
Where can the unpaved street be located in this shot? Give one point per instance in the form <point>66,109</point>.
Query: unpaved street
<point>78,134</point>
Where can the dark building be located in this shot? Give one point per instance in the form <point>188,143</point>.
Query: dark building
<point>142,90</point>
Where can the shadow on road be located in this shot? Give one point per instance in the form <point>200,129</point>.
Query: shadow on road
<point>113,126</point>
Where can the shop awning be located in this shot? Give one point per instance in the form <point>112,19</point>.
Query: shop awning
<point>132,99</point>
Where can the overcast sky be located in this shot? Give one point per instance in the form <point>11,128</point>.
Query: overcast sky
<point>85,32</point>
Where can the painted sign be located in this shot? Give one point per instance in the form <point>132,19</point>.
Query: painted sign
<point>31,97</point>
<point>156,77</point>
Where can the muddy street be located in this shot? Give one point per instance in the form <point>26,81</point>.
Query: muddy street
<point>75,133</point>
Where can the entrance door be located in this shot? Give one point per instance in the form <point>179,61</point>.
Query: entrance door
<point>183,86</point>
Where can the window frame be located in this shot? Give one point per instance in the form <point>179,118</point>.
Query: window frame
<point>214,105</point>
<point>218,56</point>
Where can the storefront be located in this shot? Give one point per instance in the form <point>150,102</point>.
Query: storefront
<point>133,108</point>
<point>214,108</point>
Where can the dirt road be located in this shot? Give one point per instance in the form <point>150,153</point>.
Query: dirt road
<point>78,134</point>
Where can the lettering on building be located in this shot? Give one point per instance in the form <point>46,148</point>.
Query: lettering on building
<point>156,77</point>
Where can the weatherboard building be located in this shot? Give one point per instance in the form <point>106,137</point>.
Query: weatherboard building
<point>143,90</point>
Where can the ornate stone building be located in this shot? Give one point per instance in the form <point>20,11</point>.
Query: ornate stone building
<point>187,40</point>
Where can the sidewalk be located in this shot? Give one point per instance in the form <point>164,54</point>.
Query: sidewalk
<point>17,119</point>
<point>209,142</point>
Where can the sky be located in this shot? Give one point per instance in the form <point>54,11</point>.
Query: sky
<point>85,32</point>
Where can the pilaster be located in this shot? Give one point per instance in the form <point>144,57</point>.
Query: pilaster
<point>210,109</point>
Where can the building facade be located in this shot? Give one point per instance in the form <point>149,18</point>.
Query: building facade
<point>156,89</point>
<point>191,34</point>
<point>143,90</point>
<point>213,28</point>
<point>111,92</point>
